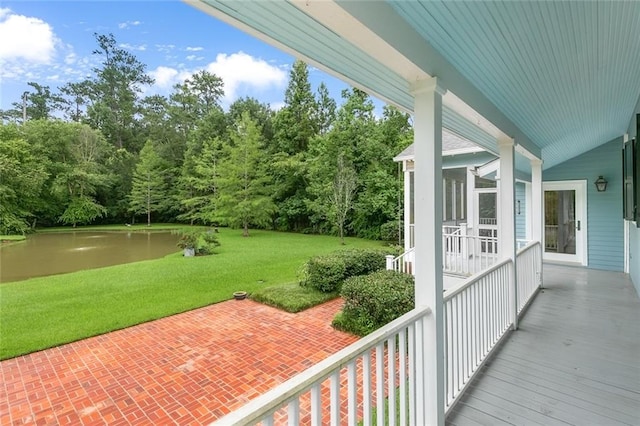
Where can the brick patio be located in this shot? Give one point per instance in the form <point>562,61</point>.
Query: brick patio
<point>187,369</point>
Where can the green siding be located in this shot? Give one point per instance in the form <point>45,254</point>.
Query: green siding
<point>604,209</point>
<point>521,219</point>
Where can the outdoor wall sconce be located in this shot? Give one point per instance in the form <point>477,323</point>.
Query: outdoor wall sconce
<point>601,184</point>
<point>518,206</point>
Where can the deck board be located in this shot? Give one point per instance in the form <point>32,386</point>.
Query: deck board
<point>575,359</point>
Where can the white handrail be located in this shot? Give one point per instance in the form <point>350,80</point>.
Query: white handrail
<point>262,408</point>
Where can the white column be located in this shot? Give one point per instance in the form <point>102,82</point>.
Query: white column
<point>407,206</point>
<point>428,250</point>
<point>506,218</point>
<point>537,208</point>
<point>472,220</point>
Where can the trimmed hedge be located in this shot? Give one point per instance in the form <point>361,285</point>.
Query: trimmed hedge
<point>371,301</point>
<point>327,272</point>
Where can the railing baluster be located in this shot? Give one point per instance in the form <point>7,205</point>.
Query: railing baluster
<point>366,388</point>
<point>335,398</point>
<point>380,414</point>
<point>316,405</point>
<point>402,349</point>
<point>352,394</point>
<point>293,412</point>
<point>412,374</point>
<point>391,379</point>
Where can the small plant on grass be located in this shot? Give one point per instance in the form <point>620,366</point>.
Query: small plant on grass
<point>202,242</point>
<point>371,301</point>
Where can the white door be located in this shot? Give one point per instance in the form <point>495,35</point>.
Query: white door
<point>565,221</point>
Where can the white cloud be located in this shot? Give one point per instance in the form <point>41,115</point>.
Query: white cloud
<point>167,77</point>
<point>165,48</point>
<point>243,71</point>
<point>194,49</point>
<point>32,40</point>
<point>194,58</point>
<point>127,24</point>
<point>140,47</point>
<point>277,106</point>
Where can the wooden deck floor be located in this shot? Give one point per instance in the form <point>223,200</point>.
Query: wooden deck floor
<point>575,359</point>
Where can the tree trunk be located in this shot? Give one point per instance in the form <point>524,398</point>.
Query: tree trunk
<point>341,235</point>
<point>245,230</point>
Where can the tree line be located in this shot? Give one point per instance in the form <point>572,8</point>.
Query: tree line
<point>98,151</point>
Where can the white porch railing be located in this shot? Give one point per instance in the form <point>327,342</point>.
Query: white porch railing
<point>468,254</point>
<point>379,371</point>
<point>528,272</point>
<point>402,263</point>
<point>477,315</point>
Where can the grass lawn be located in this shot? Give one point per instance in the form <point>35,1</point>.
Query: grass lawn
<point>292,297</point>
<point>43,312</point>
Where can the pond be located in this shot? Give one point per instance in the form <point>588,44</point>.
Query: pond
<point>60,253</point>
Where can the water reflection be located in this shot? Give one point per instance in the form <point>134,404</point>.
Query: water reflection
<point>59,253</point>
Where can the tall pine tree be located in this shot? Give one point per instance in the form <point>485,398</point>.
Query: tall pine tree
<point>148,190</point>
<point>244,186</point>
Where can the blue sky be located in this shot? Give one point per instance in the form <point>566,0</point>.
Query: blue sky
<point>51,43</point>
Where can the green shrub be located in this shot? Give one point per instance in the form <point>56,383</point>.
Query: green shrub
<point>374,300</point>
<point>327,272</point>
<point>389,231</point>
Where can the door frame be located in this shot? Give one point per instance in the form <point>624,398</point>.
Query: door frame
<point>582,238</point>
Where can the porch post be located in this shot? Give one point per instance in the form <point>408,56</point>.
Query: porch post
<point>537,209</point>
<point>428,247</point>
<point>471,201</point>
<point>506,218</point>
<point>407,205</point>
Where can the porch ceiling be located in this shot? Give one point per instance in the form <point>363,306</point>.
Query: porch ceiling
<point>559,77</point>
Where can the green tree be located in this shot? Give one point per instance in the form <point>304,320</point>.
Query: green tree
<point>81,210</point>
<point>22,174</point>
<point>114,93</point>
<point>295,125</point>
<point>82,174</point>
<point>345,184</point>
<point>244,185</point>
<point>148,190</point>
<point>201,202</point>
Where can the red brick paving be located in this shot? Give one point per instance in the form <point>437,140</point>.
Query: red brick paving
<point>187,369</point>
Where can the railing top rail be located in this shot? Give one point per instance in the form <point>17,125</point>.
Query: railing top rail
<point>453,291</point>
<point>529,246</point>
<point>256,409</point>
<point>411,250</point>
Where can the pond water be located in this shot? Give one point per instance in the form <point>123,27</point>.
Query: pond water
<point>59,253</point>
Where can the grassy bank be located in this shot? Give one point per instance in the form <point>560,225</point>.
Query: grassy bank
<point>123,227</point>
<point>48,311</point>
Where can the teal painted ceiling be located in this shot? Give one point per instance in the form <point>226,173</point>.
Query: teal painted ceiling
<point>567,73</point>
<point>561,75</point>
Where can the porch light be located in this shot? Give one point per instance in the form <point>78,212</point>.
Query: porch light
<point>601,184</point>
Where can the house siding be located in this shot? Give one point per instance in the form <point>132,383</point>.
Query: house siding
<point>634,256</point>
<point>605,230</point>
<point>521,218</point>
<point>634,231</point>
